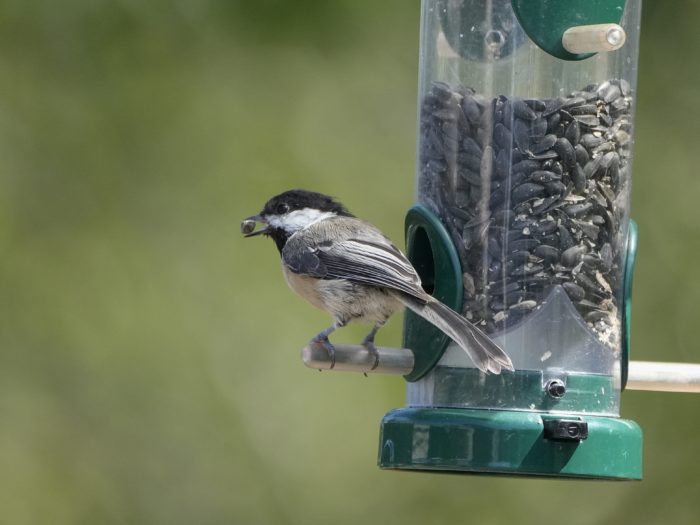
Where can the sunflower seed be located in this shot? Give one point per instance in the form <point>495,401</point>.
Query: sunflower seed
<point>526,191</point>
<point>576,210</point>
<point>247,226</point>
<point>573,132</point>
<point>524,306</point>
<point>606,257</point>
<point>585,109</point>
<point>545,144</point>
<point>566,241</point>
<point>538,128</point>
<point>566,152</point>
<point>523,244</point>
<point>596,315</point>
<point>518,258</point>
<point>526,166</point>
<point>522,110</point>
<point>521,134</point>
<point>536,104</point>
<point>587,120</point>
<point>581,155</point>
<point>574,291</point>
<point>610,93</point>
<point>572,256</point>
<point>544,176</point>
<point>548,254</point>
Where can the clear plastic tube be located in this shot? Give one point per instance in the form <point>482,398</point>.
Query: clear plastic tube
<point>526,158</point>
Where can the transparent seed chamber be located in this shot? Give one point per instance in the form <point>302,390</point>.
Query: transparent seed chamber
<point>525,157</point>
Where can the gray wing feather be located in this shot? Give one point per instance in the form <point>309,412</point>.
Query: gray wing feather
<point>338,254</point>
<point>306,262</point>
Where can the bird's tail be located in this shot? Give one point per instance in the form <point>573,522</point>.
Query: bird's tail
<point>486,355</point>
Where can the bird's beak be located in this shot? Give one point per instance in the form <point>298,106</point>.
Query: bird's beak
<point>248,226</point>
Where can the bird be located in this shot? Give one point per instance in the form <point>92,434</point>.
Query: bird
<point>350,269</point>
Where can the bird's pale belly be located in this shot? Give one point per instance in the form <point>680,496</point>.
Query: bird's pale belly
<point>344,300</point>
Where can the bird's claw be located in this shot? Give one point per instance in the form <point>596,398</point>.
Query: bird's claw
<point>369,345</point>
<point>327,346</point>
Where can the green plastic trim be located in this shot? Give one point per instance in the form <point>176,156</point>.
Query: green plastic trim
<point>524,390</point>
<point>545,21</point>
<point>430,250</point>
<point>630,260</point>
<point>508,443</point>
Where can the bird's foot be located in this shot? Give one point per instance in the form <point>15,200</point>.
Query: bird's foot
<point>327,346</point>
<point>369,345</point>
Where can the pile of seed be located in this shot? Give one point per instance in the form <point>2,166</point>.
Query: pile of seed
<point>534,194</point>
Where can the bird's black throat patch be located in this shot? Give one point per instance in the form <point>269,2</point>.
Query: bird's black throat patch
<point>280,237</point>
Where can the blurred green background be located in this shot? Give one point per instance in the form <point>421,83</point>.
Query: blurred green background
<point>149,357</point>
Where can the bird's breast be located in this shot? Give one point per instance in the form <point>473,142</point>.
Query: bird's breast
<point>305,286</point>
<point>344,299</point>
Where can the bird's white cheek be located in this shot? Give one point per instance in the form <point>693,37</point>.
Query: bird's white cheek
<point>275,221</point>
<point>297,219</point>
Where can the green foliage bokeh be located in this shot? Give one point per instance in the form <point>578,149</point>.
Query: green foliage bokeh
<point>149,356</point>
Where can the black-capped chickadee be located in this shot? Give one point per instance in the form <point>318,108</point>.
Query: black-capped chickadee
<point>347,267</point>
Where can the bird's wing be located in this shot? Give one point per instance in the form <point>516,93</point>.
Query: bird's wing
<point>335,251</point>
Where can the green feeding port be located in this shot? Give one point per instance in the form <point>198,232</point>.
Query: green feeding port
<point>430,250</point>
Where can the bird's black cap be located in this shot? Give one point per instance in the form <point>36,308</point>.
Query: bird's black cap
<point>299,199</point>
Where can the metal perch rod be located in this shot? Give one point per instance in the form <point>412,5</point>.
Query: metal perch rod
<point>642,375</point>
<point>356,358</point>
<point>664,377</point>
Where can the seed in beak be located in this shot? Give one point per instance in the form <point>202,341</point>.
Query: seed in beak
<point>247,226</point>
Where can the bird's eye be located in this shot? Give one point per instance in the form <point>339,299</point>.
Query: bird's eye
<point>282,207</point>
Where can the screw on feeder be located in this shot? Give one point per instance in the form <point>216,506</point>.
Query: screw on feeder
<point>494,39</point>
<point>555,388</point>
<point>615,36</point>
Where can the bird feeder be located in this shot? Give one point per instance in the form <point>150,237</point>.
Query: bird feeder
<point>522,225</point>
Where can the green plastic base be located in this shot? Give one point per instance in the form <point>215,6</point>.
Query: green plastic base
<point>509,443</point>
